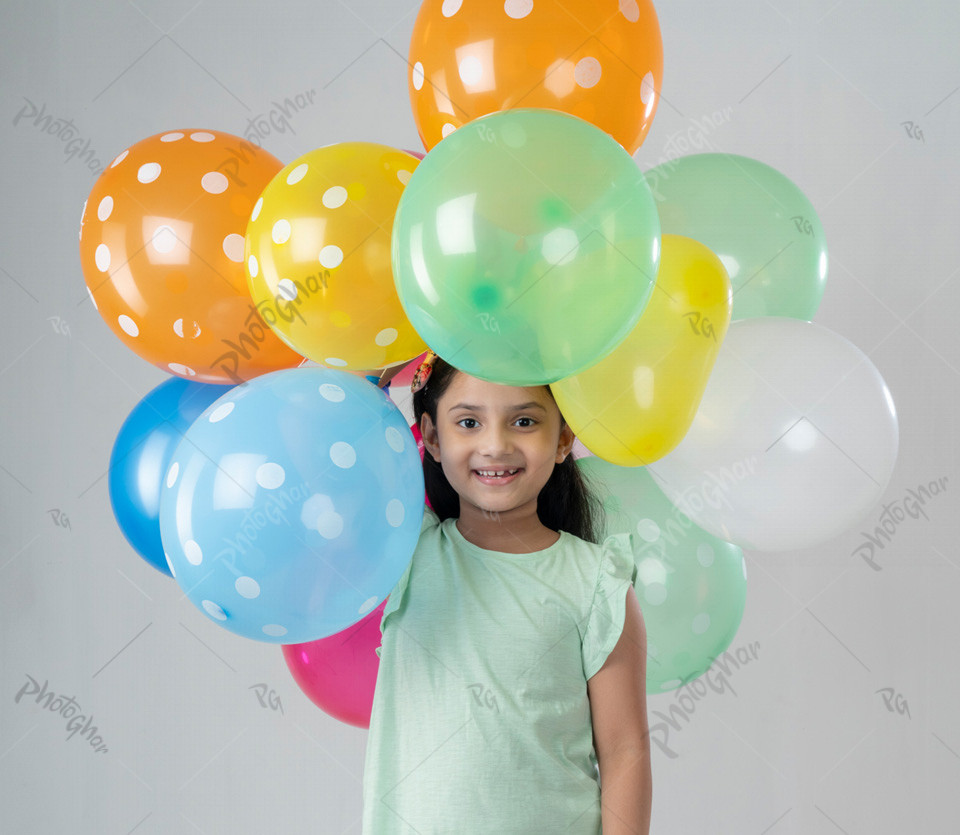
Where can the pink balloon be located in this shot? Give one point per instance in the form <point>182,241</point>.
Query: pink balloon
<point>339,673</point>
<point>417,154</point>
<point>404,376</point>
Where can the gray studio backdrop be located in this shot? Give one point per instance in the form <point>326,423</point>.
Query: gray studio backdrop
<point>835,711</point>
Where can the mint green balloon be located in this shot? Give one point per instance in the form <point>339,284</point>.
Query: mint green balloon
<point>760,225</point>
<point>525,246</point>
<point>692,586</point>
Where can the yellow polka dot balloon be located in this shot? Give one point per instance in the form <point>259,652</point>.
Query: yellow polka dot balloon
<point>317,253</point>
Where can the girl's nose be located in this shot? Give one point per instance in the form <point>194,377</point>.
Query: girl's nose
<point>495,440</point>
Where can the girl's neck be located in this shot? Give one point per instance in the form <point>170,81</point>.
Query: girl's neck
<point>516,531</point>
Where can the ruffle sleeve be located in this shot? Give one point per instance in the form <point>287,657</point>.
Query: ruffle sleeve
<point>604,623</point>
<point>395,598</point>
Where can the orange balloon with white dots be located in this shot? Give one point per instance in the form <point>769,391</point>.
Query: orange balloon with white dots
<point>601,60</point>
<point>318,256</point>
<point>161,247</point>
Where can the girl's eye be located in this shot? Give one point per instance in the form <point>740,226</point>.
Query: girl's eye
<point>473,421</point>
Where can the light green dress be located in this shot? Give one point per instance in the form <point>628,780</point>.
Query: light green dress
<point>481,720</point>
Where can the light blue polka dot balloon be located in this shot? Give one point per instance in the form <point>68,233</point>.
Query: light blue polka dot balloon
<point>293,505</point>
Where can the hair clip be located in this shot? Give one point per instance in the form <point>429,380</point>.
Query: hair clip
<point>422,374</point>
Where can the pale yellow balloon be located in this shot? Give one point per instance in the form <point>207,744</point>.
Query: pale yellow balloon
<point>638,402</point>
<point>318,261</point>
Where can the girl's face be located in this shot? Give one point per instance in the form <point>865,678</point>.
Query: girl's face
<point>483,428</point>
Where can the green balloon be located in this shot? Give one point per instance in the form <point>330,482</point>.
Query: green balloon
<point>760,225</point>
<point>692,586</point>
<point>525,246</point>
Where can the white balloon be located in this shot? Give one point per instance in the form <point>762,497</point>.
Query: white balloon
<point>794,442</point>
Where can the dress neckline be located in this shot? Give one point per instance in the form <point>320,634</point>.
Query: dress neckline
<point>449,527</point>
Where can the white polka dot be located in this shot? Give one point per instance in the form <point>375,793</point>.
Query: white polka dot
<point>171,137</point>
<point>403,176</point>
<point>148,172</point>
<point>447,129</point>
<point>172,473</point>
<point>164,239</point>
<point>193,553</point>
<point>654,593</point>
<point>180,368</point>
<point>102,258</point>
<point>214,610</point>
<point>652,650</point>
<point>192,331</point>
<point>518,9</point>
<point>256,209</point>
<point>560,246</point>
<point>700,624</point>
<point>394,439</point>
<point>281,231</point>
<point>274,630</point>
<point>252,266</point>
<point>127,325</point>
<point>247,587</point>
<point>334,197</point>
<point>647,91</point>
<point>287,289</point>
<point>648,530</point>
<point>331,392</point>
<point>450,7</point>
<point>417,76</point>
<point>331,256</point>
<point>587,72</point>
<point>343,455</point>
<point>105,207</point>
<point>202,136</point>
<point>170,565</point>
<point>92,299</point>
<point>270,475</point>
<point>120,158</point>
<point>368,605</point>
<point>335,361</point>
<point>297,174</point>
<point>743,566</point>
<point>330,525</point>
<point>221,411</point>
<point>395,513</point>
<point>471,70</point>
<point>233,247</point>
<point>386,337</point>
<point>630,10</point>
<point>214,182</point>
<point>705,555</point>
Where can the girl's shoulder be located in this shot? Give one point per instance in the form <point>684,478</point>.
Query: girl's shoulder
<point>615,554</point>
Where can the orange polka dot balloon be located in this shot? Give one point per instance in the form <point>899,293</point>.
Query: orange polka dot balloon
<point>601,60</point>
<point>161,246</point>
<point>318,256</point>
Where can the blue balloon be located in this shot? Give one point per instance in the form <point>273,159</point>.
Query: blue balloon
<point>293,505</point>
<point>142,453</point>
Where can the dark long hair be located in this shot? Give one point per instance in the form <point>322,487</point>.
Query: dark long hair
<point>566,503</point>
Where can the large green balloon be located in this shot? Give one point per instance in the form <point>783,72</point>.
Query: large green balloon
<point>759,224</point>
<point>525,246</point>
<point>692,586</point>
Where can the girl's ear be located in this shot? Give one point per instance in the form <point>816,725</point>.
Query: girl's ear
<point>565,444</point>
<point>428,432</point>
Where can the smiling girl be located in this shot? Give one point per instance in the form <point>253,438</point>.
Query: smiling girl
<point>511,693</point>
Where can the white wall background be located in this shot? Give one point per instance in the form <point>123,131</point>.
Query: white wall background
<point>801,740</point>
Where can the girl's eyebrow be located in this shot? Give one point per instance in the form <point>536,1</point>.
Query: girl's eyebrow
<point>519,407</point>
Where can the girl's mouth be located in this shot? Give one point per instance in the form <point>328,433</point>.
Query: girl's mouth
<point>497,476</point>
